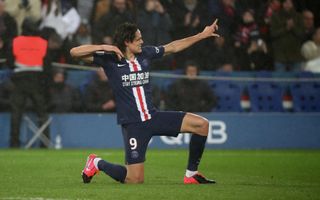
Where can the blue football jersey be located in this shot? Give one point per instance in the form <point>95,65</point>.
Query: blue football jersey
<point>130,82</point>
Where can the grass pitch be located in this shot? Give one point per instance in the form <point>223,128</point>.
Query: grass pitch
<point>50,174</point>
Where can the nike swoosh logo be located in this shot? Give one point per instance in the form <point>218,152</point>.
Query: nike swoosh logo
<point>121,65</point>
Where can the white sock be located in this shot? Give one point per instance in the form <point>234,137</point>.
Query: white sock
<point>190,173</point>
<point>95,162</point>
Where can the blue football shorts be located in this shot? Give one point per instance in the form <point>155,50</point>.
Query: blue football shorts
<point>136,136</point>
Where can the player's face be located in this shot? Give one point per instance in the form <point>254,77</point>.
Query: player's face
<point>136,45</point>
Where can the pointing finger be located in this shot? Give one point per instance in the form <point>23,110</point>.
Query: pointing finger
<point>215,23</point>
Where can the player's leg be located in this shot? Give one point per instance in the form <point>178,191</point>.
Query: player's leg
<point>195,124</point>
<point>95,164</point>
<point>172,123</point>
<point>199,126</point>
<point>135,173</point>
<point>136,143</point>
<point>136,138</point>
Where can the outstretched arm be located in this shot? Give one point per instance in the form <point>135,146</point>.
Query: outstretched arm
<point>85,52</point>
<point>179,45</point>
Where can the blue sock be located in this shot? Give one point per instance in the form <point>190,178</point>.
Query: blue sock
<point>196,147</point>
<point>117,172</point>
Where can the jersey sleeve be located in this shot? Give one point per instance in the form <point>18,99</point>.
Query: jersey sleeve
<point>101,58</point>
<point>153,52</point>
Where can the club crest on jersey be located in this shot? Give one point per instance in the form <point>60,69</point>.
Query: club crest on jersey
<point>134,154</point>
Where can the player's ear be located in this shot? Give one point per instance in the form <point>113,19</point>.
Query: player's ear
<point>126,43</point>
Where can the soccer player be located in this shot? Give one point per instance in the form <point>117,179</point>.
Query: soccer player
<point>126,63</point>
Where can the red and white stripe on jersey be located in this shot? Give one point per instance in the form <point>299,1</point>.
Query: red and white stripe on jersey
<point>134,66</point>
<point>140,98</point>
<point>138,93</point>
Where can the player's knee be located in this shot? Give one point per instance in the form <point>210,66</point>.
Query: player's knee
<point>137,180</point>
<point>204,127</point>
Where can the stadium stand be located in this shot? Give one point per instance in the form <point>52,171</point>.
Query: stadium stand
<point>265,97</point>
<point>306,97</point>
<point>228,96</point>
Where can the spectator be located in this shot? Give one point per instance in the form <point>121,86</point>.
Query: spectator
<point>216,53</point>
<point>100,8</point>
<point>83,35</point>
<point>311,52</point>
<point>272,7</point>
<point>62,16</point>
<point>85,7</point>
<point>105,27</point>
<point>55,43</point>
<point>20,9</point>
<point>29,51</point>
<point>246,30</point>
<point>189,16</point>
<point>6,88</point>
<point>308,24</point>
<point>311,49</point>
<point>243,5</point>
<point>257,57</point>
<point>155,25</point>
<point>226,67</point>
<point>287,33</point>
<point>223,10</point>
<point>313,6</point>
<point>63,97</point>
<point>190,94</point>
<point>8,30</point>
<point>98,95</point>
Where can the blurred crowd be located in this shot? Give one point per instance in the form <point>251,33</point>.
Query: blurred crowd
<point>274,35</point>
<point>281,35</point>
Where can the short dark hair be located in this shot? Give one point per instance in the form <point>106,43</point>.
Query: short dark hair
<point>191,63</point>
<point>124,33</point>
<point>30,26</point>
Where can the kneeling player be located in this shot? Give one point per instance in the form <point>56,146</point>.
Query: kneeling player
<point>127,68</point>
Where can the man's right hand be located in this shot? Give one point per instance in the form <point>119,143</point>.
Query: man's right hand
<point>209,31</point>
<point>113,49</point>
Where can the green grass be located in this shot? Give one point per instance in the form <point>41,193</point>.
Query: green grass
<point>49,174</point>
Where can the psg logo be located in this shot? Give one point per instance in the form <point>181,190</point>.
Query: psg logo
<point>134,154</point>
